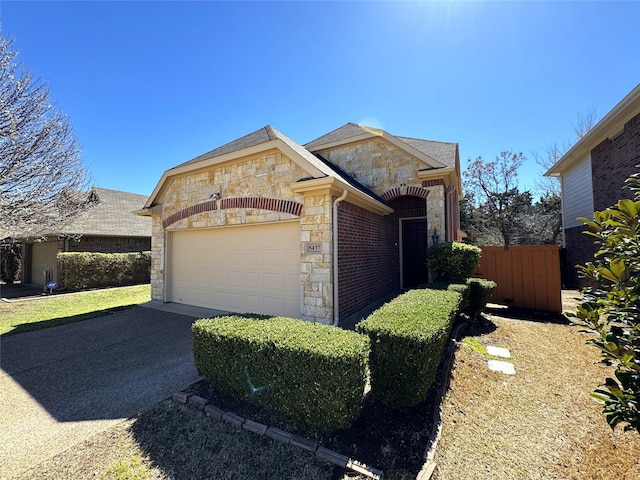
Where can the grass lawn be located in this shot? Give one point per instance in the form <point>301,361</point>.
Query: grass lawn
<point>34,314</point>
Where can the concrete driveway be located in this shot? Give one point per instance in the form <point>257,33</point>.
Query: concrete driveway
<point>62,385</point>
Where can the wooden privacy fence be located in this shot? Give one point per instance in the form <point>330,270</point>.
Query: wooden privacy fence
<point>528,276</point>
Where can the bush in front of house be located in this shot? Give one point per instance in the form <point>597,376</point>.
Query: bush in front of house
<point>82,270</point>
<point>480,292</point>
<point>408,336</point>
<point>452,261</point>
<point>311,374</point>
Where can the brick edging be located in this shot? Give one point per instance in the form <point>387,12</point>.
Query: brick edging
<point>429,466</point>
<point>277,434</point>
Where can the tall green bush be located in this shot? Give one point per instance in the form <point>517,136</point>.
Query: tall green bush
<point>408,336</point>
<point>311,374</point>
<point>452,261</point>
<point>611,309</point>
<point>480,291</point>
<point>82,270</point>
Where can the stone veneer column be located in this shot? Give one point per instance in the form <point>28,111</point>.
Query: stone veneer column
<point>157,258</point>
<point>435,211</point>
<point>316,268</point>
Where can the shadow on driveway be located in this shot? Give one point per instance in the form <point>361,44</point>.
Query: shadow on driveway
<point>59,384</point>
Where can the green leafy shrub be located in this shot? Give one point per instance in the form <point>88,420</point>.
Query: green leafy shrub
<point>465,293</point>
<point>462,288</point>
<point>311,374</point>
<point>611,309</point>
<point>82,270</point>
<point>408,336</point>
<point>452,261</point>
<point>480,292</point>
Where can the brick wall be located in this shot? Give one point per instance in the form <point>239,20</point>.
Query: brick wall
<point>368,254</point>
<point>110,244</point>
<point>581,251</point>
<point>612,162</point>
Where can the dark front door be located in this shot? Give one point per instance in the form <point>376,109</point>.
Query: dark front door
<point>414,252</point>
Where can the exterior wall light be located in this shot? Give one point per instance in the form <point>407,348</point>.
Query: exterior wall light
<point>435,237</point>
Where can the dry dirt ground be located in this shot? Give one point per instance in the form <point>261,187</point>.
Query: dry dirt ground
<point>537,424</point>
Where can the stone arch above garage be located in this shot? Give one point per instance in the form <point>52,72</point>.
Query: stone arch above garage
<point>272,204</point>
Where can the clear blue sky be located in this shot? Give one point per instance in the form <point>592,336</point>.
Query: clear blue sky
<point>149,85</point>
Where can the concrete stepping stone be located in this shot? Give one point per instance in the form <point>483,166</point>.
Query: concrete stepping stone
<point>502,367</point>
<point>498,352</point>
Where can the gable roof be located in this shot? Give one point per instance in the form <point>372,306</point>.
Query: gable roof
<point>612,123</point>
<point>434,154</point>
<point>110,213</point>
<point>438,157</point>
<point>262,140</point>
<point>258,137</point>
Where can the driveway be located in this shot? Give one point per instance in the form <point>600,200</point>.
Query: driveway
<point>62,385</point>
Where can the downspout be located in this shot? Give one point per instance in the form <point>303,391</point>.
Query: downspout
<point>336,311</point>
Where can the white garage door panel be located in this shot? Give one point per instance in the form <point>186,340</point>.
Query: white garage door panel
<point>43,259</point>
<point>241,269</point>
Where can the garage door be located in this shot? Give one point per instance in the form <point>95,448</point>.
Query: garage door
<point>43,262</point>
<point>253,268</point>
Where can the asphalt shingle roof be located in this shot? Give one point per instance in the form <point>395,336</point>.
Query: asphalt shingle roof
<point>255,138</point>
<point>111,214</point>
<point>443,152</point>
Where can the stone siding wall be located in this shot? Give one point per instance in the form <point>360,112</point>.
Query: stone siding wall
<point>368,258</point>
<point>376,163</point>
<point>158,251</point>
<point>267,176</point>
<point>317,268</point>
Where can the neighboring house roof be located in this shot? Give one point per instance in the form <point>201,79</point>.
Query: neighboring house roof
<point>610,125</point>
<point>110,213</point>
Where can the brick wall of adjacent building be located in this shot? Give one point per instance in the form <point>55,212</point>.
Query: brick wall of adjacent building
<point>109,244</point>
<point>581,251</point>
<point>367,258</point>
<point>612,162</point>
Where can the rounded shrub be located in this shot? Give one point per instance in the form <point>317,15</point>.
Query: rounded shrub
<point>452,261</point>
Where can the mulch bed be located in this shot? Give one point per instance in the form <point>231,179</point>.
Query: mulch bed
<point>384,437</point>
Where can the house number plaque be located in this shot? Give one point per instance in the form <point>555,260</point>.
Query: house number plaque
<point>312,247</point>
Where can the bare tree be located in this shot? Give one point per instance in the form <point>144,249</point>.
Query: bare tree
<point>42,177</point>
<point>499,207</point>
<point>554,152</point>
<point>550,218</point>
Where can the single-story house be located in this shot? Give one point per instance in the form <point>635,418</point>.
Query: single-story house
<point>592,174</point>
<point>108,225</point>
<point>317,231</point>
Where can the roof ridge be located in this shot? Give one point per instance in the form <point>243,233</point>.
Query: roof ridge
<point>426,140</point>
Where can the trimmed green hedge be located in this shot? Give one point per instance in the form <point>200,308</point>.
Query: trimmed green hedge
<point>452,261</point>
<point>82,270</point>
<point>408,336</point>
<point>480,292</point>
<point>311,374</point>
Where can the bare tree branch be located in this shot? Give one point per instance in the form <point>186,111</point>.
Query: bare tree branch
<point>42,177</point>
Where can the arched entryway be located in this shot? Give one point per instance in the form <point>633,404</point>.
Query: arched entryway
<point>410,218</point>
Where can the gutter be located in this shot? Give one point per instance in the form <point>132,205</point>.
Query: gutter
<point>336,310</point>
